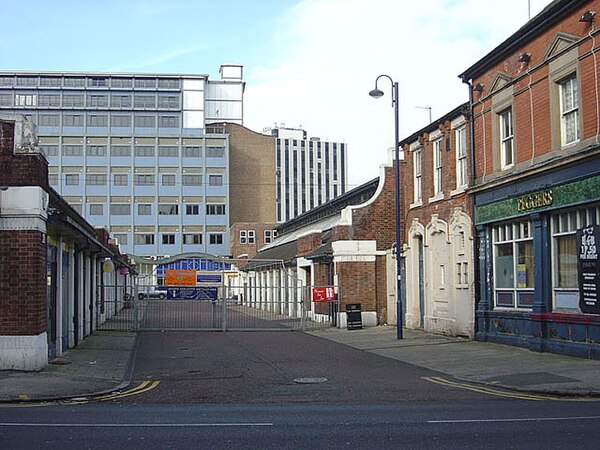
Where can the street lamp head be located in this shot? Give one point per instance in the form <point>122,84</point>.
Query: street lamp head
<point>376,93</point>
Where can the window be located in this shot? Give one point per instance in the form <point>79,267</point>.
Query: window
<point>72,150</point>
<point>215,239</point>
<point>462,275</point>
<point>251,237</point>
<point>121,82</point>
<point>144,209</point>
<point>6,99</point>
<point>168,121</point>
<point>49,100</point>
<point>143,239</point>
<point>215,180</point>
<point>25,100</point>
<point>27,81</point>
<point>97,100</point>
<point>96,209</point>
<point>145,121</point>
<point>215,152</point>
<point>168,101</point>
<point>72,179</point>
<point>192,239</point>
<point>461,157</point>
<point>243,237</point>
<point>74,82</point>
<point>144,151</point>
<point>564,254</point>
<point>513,265</point>
<point>51,81</point>
<point>53,179</point>
<point>121,179</point>
<point>51,149</point>
<point>96,179</point>
<point>6,80</point>
<point>73,120</point>
<point>121,238</point>
<point>120,121</point>
<point>120,209</point>
<point>268,236</point>
<point>120,150</point>
<point>96,150</point>
<point>144,179</point>
<point>166,209</point>
<point>49,120</point>
<point>168,83</point>
<point>569,110</point>
<point>192,151</point>
<point>192,210</point>
<point>168,151</point>
<point>97,82</point>
<point>506,139</point>
<point>148,83</point>
<point>417,162</point>
<point>437,166</point>
<point>192,179</point>
<point>120,100</point>
<point>168,239</point>
<point>73,100</point>
<point>77,207</point>
<point>168,179</point>
<point>144,101</point>
<point>97,120</point>
<point>215,210</point>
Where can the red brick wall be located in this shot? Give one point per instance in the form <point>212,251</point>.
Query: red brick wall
<point>358,284</point>
<point>19,170</point>
<point>236,248</point>
<point>377,220</point>
<point>22,283</point>
<point>23,253</point>
<point>307,244</point>
<point>537,78</point>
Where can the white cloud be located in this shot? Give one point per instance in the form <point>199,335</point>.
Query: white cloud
<point>326,55</point>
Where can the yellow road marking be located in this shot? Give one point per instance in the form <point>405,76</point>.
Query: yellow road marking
<point>145,386</point>
<point>499,393</point>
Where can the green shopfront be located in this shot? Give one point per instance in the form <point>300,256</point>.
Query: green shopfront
<point>533,291</point>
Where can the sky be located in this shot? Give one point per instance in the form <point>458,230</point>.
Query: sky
<point>307,63</point>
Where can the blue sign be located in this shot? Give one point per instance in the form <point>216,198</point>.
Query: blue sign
<point>192,293</point>
<point>209,279</point>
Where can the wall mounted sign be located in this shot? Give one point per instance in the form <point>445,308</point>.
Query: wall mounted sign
<point>588,267</point>
<point>534,201</point>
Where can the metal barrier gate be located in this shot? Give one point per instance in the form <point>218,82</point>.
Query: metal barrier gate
<point>255,308</point>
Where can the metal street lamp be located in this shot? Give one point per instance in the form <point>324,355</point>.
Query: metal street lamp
<point>376,93</point>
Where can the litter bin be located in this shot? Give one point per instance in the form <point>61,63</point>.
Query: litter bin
<point>353,316</point>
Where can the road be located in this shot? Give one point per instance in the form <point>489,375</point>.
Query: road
<point>241,390</point>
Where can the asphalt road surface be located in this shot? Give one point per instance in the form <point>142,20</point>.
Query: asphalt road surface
<point>260,367</point>
<point>241,391</point>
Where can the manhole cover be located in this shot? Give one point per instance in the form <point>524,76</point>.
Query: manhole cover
<point>310,380</point>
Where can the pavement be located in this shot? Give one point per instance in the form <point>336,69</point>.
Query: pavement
<point>103,363</point>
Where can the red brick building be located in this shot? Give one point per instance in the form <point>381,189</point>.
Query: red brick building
<point>53,289</point>
<point>438,232</point>
<point>536,190</point>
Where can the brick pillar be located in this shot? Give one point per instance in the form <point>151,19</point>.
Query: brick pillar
<point>23,249</point>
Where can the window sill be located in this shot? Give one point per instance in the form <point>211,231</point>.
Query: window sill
<point>458,190</point>
<point>436,198</point>
<point>416,204</point>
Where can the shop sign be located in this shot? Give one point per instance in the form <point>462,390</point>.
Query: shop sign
<point>323,294</point>
<point>180,277</point>
<point>589,269</point>
<point>533,201</point>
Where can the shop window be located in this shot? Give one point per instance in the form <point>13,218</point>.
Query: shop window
<point>513,265</point>
<point>564,227</point>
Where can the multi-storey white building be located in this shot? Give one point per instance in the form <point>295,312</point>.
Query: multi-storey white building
<point>310,172</point>
<point>132,152</point>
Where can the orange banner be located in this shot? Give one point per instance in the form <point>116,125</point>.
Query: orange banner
<point>180,277</point>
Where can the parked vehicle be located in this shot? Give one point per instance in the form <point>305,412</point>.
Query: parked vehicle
<point>152,292</point>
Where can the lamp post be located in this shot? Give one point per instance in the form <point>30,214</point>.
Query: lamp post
<point>376,93</point>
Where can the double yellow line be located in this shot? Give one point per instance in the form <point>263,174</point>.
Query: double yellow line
<point>488,391</point>
<point>144,386</point>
